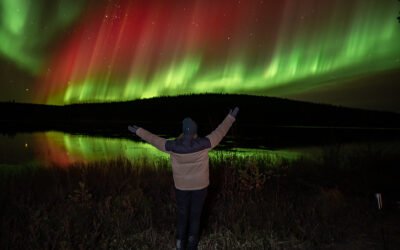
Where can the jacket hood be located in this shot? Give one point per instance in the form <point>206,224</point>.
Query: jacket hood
<point>189,127</point>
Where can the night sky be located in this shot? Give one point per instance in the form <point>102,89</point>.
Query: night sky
<point>343,52</point>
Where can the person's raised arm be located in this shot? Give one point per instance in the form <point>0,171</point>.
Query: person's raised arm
<point>147,136</point>
<point>218,134</point>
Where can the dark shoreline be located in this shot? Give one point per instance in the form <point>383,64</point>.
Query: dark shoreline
<point>262,121</point>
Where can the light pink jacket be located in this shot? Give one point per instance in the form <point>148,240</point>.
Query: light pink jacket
<point>191,170</point>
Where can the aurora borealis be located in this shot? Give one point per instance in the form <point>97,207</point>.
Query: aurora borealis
<point>113,50</point>
<point>27,28</point>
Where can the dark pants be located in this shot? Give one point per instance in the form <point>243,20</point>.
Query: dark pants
<point>189,206</point>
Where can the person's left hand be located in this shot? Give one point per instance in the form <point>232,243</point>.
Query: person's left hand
<point>133,128</point>
<point>234,112</point>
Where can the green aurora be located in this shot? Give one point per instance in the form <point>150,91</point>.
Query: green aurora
<point>88,51</point>
<point>28,28</point>
<point>310,48</point>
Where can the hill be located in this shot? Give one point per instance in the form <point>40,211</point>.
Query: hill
<point>259,117</point>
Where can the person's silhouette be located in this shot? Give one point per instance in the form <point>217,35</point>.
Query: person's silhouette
<point>190,168</point>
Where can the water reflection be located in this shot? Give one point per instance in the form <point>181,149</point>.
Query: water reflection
<point>63,150</point>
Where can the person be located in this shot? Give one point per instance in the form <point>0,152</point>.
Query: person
<point>190,169</point>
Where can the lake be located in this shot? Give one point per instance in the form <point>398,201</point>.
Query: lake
<point>61,149</point>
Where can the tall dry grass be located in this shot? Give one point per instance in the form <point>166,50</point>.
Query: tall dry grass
<point>253,203</point>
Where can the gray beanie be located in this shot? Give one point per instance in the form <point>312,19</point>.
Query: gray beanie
<point>189,127</point>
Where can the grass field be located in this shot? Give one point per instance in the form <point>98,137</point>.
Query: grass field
<point>253,203</point>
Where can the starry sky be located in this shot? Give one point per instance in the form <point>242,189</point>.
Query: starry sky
<point>342,52</point>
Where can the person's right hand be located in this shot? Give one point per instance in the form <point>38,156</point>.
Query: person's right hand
<point>234,112</point>
<point>133,128</point>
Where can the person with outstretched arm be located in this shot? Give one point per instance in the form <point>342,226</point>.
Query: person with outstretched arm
<point>190,169</point>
